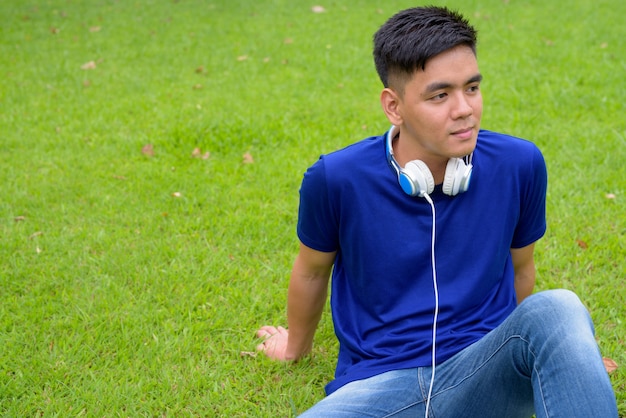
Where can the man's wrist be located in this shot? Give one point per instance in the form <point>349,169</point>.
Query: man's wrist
<point>295,354</point>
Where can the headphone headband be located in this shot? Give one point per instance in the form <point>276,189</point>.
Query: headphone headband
<point>389,150</point>
<point>417,180</point>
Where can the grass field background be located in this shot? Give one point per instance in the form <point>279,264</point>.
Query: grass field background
<point>150,158</point>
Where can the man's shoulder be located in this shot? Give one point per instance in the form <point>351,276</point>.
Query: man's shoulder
<point>358,154</point>
<point>498,145</point>
<point>501,140</point>
<point>363,147</point>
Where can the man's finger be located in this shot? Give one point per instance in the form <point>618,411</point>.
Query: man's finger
<point>266,331</point>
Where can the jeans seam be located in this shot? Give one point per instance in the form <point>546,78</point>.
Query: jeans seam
<point>481,365</point>
<point>509,339</point>
<point>543,399</point>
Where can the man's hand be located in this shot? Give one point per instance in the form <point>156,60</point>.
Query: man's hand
<point>306,297</point>
<point>275,344</point>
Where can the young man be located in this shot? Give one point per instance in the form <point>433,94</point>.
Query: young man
<point>429,232</point>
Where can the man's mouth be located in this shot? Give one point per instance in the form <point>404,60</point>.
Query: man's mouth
<point>465,133</point>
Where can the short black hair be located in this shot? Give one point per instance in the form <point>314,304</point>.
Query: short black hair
<point>406,42</point>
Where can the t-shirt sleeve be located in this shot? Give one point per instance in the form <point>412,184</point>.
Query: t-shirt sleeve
<point>317,226</point>
<point>532,222</point>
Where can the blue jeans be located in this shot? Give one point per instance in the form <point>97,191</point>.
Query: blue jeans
<point>543,359</point>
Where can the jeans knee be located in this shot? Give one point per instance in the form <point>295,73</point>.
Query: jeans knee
<point>558,308</point>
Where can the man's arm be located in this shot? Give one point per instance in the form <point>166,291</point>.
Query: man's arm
<point>524,267</point>
<point>308,288</point>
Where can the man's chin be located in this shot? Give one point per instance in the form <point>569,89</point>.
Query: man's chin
<point>466,149</point>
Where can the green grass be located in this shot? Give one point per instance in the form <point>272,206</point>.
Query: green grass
<point>121,299</point>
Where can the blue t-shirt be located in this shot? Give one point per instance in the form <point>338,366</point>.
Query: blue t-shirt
<point>382,295</point>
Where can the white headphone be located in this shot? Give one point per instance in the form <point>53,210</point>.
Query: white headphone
<point>417,180</point>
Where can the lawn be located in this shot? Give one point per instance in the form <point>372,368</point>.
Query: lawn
<point>151,157</point>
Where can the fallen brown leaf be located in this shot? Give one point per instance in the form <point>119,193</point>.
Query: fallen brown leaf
<point>19,218</point>
<point>36,234</point>
<point>609,364</point>
<point>582,244</point>
<point>247,158</point>
<point>197,153</point>
<point>91,65</point>
<point>148,150</point>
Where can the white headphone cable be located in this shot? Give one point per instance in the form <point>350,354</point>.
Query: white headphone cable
<point>436,314</point>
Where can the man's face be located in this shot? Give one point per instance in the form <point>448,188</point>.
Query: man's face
<point>441,106</point>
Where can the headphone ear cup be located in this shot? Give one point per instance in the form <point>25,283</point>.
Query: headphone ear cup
<point>416,179</point>
<point>457,177</point>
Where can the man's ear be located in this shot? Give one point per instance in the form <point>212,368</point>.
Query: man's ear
<point>391,102</point>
